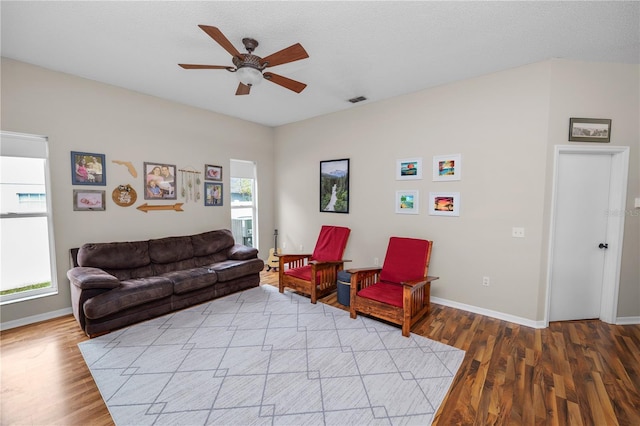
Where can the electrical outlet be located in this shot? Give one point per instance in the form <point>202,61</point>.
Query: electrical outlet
<point>517,232</point>
<point>485,281</point>
<point>284,244</point>
<point>376,261</point>
<point>301,248</point>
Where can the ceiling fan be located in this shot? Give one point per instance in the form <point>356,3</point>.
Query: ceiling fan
<point>249,67</point>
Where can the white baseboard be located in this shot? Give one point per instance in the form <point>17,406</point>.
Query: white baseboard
<point>35,318</point>
<point>627,320</point>
<point>488,312</point>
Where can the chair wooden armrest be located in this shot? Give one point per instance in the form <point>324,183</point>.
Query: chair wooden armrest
<point>293,254</point>
<point>363,277</point>
<point>320,263</point>
<point>290,261</point>
<point>368,269</point>
<point>419,282</point>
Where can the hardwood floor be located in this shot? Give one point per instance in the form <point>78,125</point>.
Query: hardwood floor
<point>572,373</point>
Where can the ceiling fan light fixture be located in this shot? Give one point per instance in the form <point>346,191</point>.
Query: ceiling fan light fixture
<point>249,76</point>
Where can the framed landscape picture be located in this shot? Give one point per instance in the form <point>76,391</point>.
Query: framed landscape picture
<point>590,130</point>
<point>407,202</point>
<point>88,169</point>
<point>409,169</point>
<point>447,167</point>
<point>334,186</point>
<point>444,203</point>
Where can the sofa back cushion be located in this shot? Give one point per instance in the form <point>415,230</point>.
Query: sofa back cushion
<point>212,242</point>
<point>139,259</point>
<point>121,255</point>
<point>170,249</point>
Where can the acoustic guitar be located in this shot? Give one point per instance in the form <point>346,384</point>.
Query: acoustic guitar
<point>273,262</point>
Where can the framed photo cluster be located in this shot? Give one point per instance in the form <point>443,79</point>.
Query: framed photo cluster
<point>88,169</point>
<point>213,190</point>
<point>445,168</point>
<point>159,182</point>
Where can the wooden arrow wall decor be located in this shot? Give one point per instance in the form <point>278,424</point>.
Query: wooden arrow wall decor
<point>146,207</point>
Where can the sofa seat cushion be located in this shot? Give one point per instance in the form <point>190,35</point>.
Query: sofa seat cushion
<point>303,273</point>
<point>388,293</point>
<point>232,269</point>
<point>130,293</point>
<point>191,279</point>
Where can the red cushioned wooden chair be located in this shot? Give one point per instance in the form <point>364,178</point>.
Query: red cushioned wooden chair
<point>315,274</point>
<point>398,292</point>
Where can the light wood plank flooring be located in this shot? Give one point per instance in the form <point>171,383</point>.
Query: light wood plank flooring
<point>572,373</point>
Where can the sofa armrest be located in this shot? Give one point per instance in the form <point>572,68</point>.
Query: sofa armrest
<point>86,278</point>
<point>242,252</point>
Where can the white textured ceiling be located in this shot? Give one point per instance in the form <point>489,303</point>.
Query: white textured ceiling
<point>375,49</point>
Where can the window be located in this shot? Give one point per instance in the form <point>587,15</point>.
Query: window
<point>27,259</point>
<point>243,202</point>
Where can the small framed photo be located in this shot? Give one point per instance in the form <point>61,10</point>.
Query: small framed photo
<point>334,186</point>
<point>159,181</point>
<point>212,172</point>
<point>447,167</point>
<point>213,194</point>
<point>86,200</point>
<point>409,169</point>
<point>88,169</point>
<point>444,203</point>
<point>590,130</point>
<point>407,202</point>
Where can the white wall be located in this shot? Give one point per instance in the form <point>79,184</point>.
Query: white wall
<point>504,125</point>
<point>605,91</point>
<point>82,115</point>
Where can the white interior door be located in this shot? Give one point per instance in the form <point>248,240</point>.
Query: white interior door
<point>582,200</point>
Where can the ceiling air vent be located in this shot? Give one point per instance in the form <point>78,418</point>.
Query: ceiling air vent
<point>358,99</point>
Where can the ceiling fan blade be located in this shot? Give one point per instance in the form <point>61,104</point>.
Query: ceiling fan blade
<point>290,54</point>
<point>217,35</point>
<point>285,82</point>
<point>203,67</point>
<point>243,89</point>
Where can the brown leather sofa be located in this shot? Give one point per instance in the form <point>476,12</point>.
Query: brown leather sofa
<point>117,284</point>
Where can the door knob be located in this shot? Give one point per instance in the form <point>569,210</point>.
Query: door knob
<point>603,246</point>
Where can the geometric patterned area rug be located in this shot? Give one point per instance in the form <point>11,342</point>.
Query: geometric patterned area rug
<point>259,357</point>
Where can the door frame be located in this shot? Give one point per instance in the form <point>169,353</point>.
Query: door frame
<point>615,224</point>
